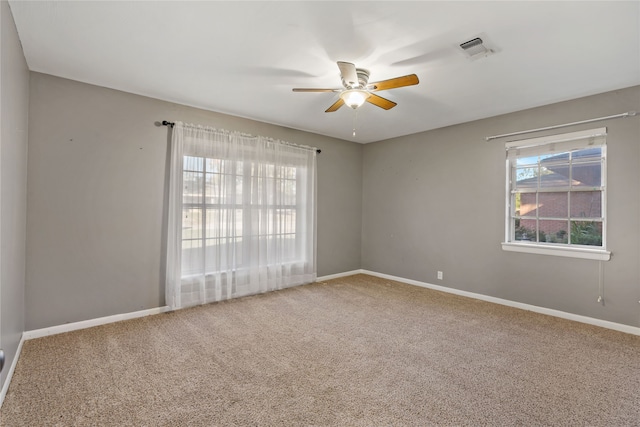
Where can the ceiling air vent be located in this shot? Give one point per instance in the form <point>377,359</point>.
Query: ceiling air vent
<point>475,48</point>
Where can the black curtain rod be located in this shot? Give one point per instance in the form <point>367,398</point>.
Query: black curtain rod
<point>166,123</point>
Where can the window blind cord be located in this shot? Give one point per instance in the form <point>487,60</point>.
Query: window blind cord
<point>601,283</point>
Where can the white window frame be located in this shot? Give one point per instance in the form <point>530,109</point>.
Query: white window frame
<point>582,140</point>
<point>246,174</point>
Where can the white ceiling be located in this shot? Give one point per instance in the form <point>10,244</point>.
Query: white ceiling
<point>243,58</point>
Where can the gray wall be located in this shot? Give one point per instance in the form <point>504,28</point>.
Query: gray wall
<point>97,175</point>
<point>435,201</point>
<point>14,94</point>
<point>408,207</point>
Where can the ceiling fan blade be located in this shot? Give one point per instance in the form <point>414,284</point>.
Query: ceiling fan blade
<point>381,102</point>
<point>348,73</point>
<point>409,80</point>
<point>302,89</point>
<point>339,103</point>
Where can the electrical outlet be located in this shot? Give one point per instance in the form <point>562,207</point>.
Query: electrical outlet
<point>440,275</point>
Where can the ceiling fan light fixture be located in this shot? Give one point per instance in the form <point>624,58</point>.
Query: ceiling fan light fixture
<point>354,98</point>
<point>357,93</point>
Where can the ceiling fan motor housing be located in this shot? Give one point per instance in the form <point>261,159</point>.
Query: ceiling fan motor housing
<point>363,80</point>
<point>363,77</point>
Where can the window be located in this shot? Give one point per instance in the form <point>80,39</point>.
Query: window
<point>241,217</point>
<point>228,204</point>
<point>555,197</point>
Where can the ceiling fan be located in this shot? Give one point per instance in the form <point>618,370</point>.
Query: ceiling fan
<point>357,88</point>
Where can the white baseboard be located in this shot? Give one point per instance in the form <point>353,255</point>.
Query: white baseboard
<point>536,309</point>
<point>7,381</point>
<point>339,275</point>
<point>37,333</point>
<point>68,327</point>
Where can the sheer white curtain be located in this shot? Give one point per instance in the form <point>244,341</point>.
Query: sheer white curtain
<point>241,215</point>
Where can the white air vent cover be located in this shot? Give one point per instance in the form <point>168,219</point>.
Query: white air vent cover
<point>475,48</point>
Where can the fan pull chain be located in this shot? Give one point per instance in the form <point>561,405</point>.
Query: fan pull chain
<point>355,118</point>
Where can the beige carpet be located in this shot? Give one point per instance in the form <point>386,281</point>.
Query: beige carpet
<point>358,351</point>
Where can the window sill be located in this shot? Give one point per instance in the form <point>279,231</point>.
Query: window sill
<point>571,252</point>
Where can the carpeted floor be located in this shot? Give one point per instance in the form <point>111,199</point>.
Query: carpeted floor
<point>356,351</point>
